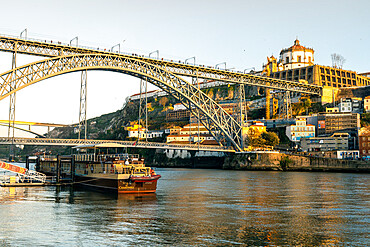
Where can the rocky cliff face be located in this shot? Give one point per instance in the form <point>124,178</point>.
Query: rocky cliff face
<point>353,92</point>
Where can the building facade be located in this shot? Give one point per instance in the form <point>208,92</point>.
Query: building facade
<point>296,56</point>
<point>329,123</point>
<point>337,141</point>
<point>300,130</point>
<point>367,104</point>
<point>256,129</point>
<point>192,133</point>
<point>364,145</point>
<point>296,64</point>
<point>350,105</point>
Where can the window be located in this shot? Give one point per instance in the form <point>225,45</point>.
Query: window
<point>287,60</point>
<point>299,59</point>
<point>309,59</point>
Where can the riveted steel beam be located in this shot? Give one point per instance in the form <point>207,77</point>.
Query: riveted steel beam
<point>134,144</point>
<point>52,49</point>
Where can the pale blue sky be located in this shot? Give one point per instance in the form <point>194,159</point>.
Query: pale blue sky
<point>240,33</point>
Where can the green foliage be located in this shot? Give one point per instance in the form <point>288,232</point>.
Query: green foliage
<point>265,139</point>
<point>280,131</point>
<point>163,101</point>
<point>256,114</point>
<point>285,162</point>
<point>316,107</point>
<point>210,92</point>
<point>271,139</point>
<point>365,119</point>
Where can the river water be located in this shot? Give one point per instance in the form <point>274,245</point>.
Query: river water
<point>196,207</point>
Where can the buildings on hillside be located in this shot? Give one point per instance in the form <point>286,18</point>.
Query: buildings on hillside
<point>334,131</point>
<point>255,129</point>
<point>367,104</point>
<point>353,105</point>
<point>329,123</point>
<point>190,134</point>
<point>135,130</point>
<point>300,130</point>
<point>364,143</point>
<point>296,64</point>
<point>337,141</point>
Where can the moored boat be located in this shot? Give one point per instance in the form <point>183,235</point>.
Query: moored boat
<point>119,172</point>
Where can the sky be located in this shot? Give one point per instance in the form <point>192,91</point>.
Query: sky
<point>241,33</point>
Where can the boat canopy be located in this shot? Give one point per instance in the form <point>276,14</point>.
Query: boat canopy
<point>100,145</point>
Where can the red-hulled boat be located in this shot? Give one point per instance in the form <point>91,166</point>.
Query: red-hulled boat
<point>122,173</point>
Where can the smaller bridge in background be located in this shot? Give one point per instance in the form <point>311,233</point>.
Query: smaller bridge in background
<point>17,124</point>
<point>34,124</point>
<point>130,144</point>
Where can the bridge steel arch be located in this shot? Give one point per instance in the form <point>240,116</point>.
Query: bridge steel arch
<point>213,117</point>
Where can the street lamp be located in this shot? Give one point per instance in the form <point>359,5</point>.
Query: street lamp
<point>119,48</point>
<point>253,68</point>
<point>23,32</point>
<point>216,66</point>
<point>157,51</point>
<point>190,59</point>
<point>75,38</point>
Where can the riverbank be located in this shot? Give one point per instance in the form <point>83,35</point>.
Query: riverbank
<point>273,161</point>
<point>292,162</point>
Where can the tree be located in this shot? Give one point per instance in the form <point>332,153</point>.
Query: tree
<point>210,93</point>
<point>307,104</point>
<point>271,138</point>
<point>337,60</point>
<point>163,101</point>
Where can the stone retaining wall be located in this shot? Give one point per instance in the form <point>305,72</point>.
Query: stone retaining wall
<point>281,161</point>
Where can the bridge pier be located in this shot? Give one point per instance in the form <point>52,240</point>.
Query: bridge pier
<point>73,169</point>
<point>27,162</point>
<point>58,168</point>
<point>192,157</point>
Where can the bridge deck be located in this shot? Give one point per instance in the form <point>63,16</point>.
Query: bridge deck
<point>134,144</point>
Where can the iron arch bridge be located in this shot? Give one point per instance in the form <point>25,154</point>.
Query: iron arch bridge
<point>46,48</point>
<point>212,116</point>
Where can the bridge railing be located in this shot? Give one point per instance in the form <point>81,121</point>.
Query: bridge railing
<point>75,142</point>
<point>120,52</point>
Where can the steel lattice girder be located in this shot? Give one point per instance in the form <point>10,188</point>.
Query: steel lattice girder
<point>218,120</point>
<point>51,50</point>
<point>75,142</point>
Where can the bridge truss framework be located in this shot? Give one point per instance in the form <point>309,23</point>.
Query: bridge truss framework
<point>167,75</point>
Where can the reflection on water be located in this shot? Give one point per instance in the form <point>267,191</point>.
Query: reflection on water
<point>195,207</point>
